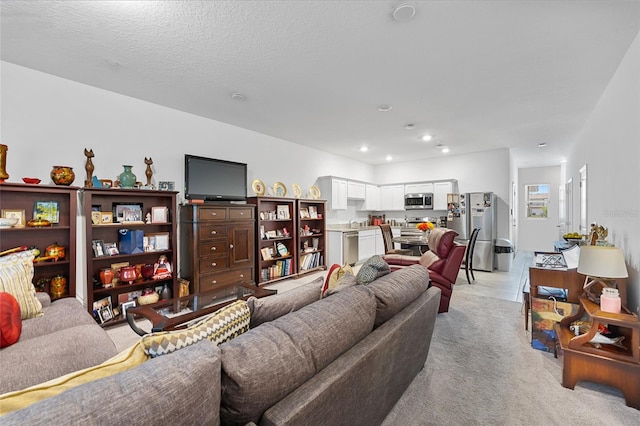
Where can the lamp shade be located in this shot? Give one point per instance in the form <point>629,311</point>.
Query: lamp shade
<point>602,262</point>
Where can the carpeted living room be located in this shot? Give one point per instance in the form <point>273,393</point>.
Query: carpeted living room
<point>320,212</point>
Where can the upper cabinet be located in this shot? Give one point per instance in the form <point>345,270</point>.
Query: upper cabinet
<point>418,188</point>
<point>440,191</point>
<point>392,197</point>
<point>355,190</point>
<point>372,198</point>
<point>335,191</point>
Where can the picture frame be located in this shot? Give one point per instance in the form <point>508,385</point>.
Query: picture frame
<point>106,218</point>
<point>96,217</point>
<point>118,211</point>
<point>96,208</point>
<point>282,211</point>
<point>132,215</point>
<point>47,210</point>
<point>101,309</point>
<point>164,185</point>
<point>304,213</point>
<point>161,241</point>
<point>15,214</point>
<point>111,249</point>
<point>99,249</point>
<point>126,305</point>
<point>159,214</point>
<point>105,314</point>
<point>313,212</point>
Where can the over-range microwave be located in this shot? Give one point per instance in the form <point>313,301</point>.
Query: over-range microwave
<point>418,201</point>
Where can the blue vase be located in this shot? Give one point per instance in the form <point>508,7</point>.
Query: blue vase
<point>127,178</point>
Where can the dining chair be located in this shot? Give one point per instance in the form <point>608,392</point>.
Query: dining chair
<point>387,237</point>
<point>468,261</point>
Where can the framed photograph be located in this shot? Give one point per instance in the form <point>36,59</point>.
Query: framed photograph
<point>304,213</point>
<point>126,305</point>
<point>15,214</point>
<point>103,305</point>
<point>160,241</point>
<point>313,212</point>
<point>105,314</point>
<point>119,209</point>
<point>47,210</point>
<point>164,185</point>
<point>96,208</point>
<point>106,218</point>
<point>267,253</point>
<point>99,249</point>
<point>159,214</point>
<point>111,249</point>
<point>96,217</point>
<point>283,211</point>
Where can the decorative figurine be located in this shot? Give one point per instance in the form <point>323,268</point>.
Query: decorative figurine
<point>89,168</point>
<point>148,172</point>
<point>3,162</point>
<point>162,268</point>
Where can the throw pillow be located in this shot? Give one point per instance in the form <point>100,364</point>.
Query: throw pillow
<point>336,273</point>
<point>220,326</point>
<point>124,361</point>
<point>269,308</point>
<point>344,283</point>
<point>16,274</point>
<point>10,321</point>
<point>372,269</point>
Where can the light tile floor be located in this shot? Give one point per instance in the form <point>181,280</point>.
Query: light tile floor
<point>498,285</point>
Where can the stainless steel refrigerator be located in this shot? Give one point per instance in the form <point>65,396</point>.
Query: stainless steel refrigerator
<point>475,210</point>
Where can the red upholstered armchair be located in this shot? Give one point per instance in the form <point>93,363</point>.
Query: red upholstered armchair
<point>443,259</point>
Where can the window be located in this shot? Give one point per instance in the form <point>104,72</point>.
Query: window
<point>537,201</point>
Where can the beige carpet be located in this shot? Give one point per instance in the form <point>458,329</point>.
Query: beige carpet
<point>481,370</point>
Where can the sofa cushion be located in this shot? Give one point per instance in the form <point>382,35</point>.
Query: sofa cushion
<point>33,361</point>
<point>268,362</point>
<point>10,321</point>
<point>16,273</point>
<point>398,289</point>
<point>60,314</point>
<point>219,326</point>
<point>153,395</point>
<point>336,273</point>
<point>123,361</point>
<point>269,308</point>
<point>372,269</point>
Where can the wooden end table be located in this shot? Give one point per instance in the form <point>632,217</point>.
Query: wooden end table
<point>178,313</point>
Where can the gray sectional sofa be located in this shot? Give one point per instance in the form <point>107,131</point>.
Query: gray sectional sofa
<point>343,360</point>
<point>65,339</point>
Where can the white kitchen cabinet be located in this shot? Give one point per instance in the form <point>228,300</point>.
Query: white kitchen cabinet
<point>372,198</point>
<point>392,197</point>
<point>356,190</point>
<point>334,246</point>
<point>418,188</point>
<point>366,244</point>
<point>335,191</point>
<point>379,242</point>
<point>440,191</point>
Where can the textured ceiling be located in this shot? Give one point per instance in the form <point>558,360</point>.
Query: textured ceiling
<point>477,75</point>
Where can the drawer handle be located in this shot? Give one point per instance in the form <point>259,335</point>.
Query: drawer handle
<point>213,232</point>
<point>214,214</point>
<point>214,282</point>
<point>214,264</point>
<point>241,275</point>
<point>241,213</point>
<point>213,249</point>
<point>230,245</point>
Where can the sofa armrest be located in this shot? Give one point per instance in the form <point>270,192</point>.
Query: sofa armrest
<point>453,262</point>
<point>44,298</point>
<point>401,259</point>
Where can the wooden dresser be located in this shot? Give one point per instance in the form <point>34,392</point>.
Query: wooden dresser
<point>217,245</point>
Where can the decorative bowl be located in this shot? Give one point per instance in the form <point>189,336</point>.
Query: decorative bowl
<point>148,299</point>
<point>8,222</point>
<point>36,223</point>
<point>33,181</point>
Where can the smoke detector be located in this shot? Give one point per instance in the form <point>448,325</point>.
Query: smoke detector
<point>403,13</point>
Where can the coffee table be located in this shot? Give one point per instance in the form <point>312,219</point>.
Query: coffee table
<point>180,312</point>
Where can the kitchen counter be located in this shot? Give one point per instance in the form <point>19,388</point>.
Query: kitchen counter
<point>346,228</point>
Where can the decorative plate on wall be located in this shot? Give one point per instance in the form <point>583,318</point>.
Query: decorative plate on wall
<point>314,191</point>
<point>258,187</point>
<point>279,190</point>
<point>297,191</point>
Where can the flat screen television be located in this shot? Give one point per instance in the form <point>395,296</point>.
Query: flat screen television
<point>214,180</point>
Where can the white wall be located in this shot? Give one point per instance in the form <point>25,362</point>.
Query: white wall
<point>538,234</point>
<point>609,144</point>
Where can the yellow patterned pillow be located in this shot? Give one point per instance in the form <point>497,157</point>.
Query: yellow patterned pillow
<point>125,360</point>
<point>219,327</point>
<point>16,274</point>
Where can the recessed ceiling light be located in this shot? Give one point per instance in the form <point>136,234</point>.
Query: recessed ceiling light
<point>364,149</point>
<point>427,138</point>
<point>384,108</point>
<point>445,150</point>
<point>542,144</point>
<point>238,96</point>
<point>409,126</point>
<point>403,13</point>
<point>389,158</point>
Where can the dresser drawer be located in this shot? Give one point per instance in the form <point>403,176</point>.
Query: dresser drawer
<point>208,248</point>
<point>208,231</point>
<point>241,213</point>
<point>213,263</point>
<point>212,213</point>
<point>236,276</point>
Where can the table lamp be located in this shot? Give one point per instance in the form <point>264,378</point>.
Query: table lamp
<point>602,264</point>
